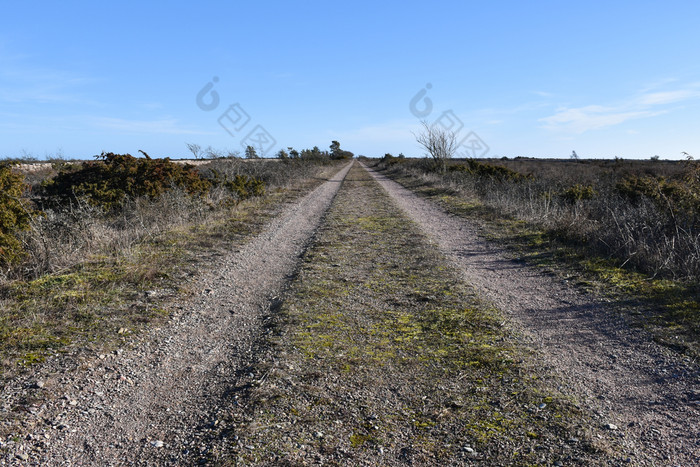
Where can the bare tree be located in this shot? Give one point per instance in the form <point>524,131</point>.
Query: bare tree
<point>212,153</point>
<point>440,143</point>
<point>195,149</point>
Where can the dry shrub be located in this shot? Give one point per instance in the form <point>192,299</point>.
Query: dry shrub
<point>64,237</point>
<point>109,206</point>
<point>644,220</point>
<point>272,173</point>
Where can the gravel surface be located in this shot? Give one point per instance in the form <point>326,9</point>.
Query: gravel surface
<point>647,393</point>
<point>153,403</point>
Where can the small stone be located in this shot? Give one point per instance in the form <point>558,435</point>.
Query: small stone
<point>468,449</point>
<point>610,426</point>
<point>73,402</point>
<point>39,384</point>
<point>23,456</point>
<point>157,443</point>
<point>318,435</point>
<point>542,406</point>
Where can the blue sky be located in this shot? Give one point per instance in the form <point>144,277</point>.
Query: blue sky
<point>534,78</point>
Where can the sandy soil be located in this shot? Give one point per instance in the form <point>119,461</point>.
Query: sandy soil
<point>648,393</point>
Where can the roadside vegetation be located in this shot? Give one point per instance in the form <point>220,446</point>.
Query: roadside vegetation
<point>90,249</point>
<point>627,228</point>
<point>380,355</point>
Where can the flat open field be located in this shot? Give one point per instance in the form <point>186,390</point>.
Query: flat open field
<point>361,314</point>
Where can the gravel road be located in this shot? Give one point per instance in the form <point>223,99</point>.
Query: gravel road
<point>153,403</point>
<point>646,392</point>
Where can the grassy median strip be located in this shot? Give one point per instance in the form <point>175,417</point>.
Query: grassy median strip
<point>381,354</point>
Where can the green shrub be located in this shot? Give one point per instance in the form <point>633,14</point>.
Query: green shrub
<point>15,214</point>
<point>107,181</point>
<point>483,170</point>
<point>677,195</point>
<point>578,193</point>
<point>245,187</point>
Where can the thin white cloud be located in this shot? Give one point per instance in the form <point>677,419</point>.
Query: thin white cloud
<point>667,97</point>
<point>168,126</point>
<point>592,117</point>
<point>649,103</point>
<point>385,132</point>
<point>19,84</point>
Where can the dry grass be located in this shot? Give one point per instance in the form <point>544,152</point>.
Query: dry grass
<point>652,237</point>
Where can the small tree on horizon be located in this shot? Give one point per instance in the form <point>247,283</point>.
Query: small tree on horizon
<point>440,143</point>
<point>337,153</point>
<point>251,153</point>
<point>195,149</point>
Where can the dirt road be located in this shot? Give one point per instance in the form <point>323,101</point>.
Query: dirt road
<point>152,403</point>
<point>649,393</point>
<point>160,400</point>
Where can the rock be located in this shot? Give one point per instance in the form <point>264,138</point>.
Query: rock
<point>318,435</point>
<point>610,426</point>
<point>39,384</point>
<point>157,443</point>
<point>23,456</point>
